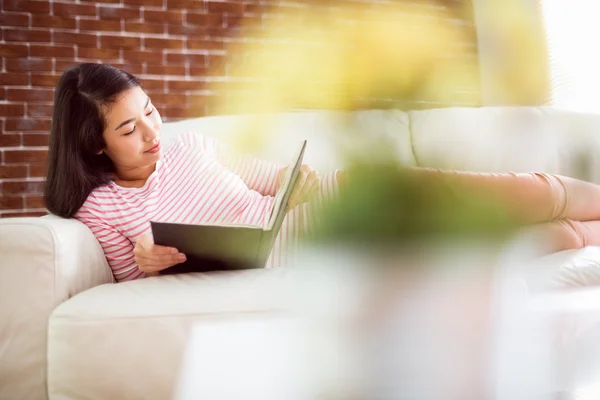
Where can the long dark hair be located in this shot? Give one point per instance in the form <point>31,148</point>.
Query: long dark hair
<point>74,166</point>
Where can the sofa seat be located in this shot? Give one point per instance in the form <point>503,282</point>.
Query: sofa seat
<point>134,333</point>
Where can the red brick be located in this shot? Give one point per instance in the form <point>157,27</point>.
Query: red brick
<point>119,12</point>
<point>176,86</point>
<point>95,53</point>
<point>145,3</point>
<point>120,42</point>
<point>167,98</point>
<point>85,39</point>
<point>63,65</point>
<point>176,58</point>
<point>199,70</point>
<point>44,80</point>
<point>25,156</point>
<point>14,19</point>
<point>255,8</point>
<point>221,32</point>
<point>102,1</point>
<point>26,35</point>
<point>10,140</point>
<point>53,21</point>
<point>165,70</point>
<point>135,69</point>
<point>163,16</point>
<point>26,124</point>
<point>2,97</point>
<point>225,7</point>
<point>202,19</point>
<point>70,9</point>
<point>100,26</point>
<point>34,202</point>
<point>186,4</point>
<point>11,203</point>
<point>183,113</point>
<point>30,95</point>
<point>144,27</point>
<point>35,7</point>
<point>39,110</point>
<point>13,50</point>
<point>214,60</point>
<point>234,21</point>
<point>12,110</point>
<point>187,30</point>
<point>198,100</point>
<point>23,214</point>
<point>13,171</point>
<point>30,139</point>
<point>13,79</point>
<point>151,43</point>
<point>37,170</point>
<point>140,56</point>
<point>200,44</point>
<point>28,64</point>
<point>153,84</point>
<point>52,51</point>
<point>22,187</point>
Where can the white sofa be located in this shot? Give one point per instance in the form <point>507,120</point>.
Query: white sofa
<point>67,331</point>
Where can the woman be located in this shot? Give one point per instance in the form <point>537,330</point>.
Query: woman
<point>108,169</point>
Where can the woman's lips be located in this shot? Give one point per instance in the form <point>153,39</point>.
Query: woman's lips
<point>154,149</point>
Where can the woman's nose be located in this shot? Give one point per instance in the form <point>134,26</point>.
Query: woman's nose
<point>150,133</point>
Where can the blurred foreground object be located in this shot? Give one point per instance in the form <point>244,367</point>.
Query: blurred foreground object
<point>406,289</point>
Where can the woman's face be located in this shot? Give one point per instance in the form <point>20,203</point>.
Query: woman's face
<point>132,133</point>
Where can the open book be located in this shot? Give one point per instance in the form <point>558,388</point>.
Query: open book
<point>228,247</point>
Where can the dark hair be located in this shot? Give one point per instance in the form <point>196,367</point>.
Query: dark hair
<point>74,166</point>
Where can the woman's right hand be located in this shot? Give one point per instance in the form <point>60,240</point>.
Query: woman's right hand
<point>152,258</point>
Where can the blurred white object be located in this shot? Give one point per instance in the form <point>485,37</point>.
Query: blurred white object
<point>250,358</point>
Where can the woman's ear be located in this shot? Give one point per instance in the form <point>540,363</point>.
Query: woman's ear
<point>100,152</point>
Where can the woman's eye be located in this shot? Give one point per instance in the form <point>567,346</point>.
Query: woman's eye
<point>129,133</point>
<point>150,112</point>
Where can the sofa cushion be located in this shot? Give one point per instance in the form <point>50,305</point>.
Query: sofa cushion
<point>100,341</point>
<point>502,139</point>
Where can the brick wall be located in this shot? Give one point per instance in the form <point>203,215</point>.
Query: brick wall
<point>175,46</point>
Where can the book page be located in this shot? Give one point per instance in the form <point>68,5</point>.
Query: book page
<point>285,190</point>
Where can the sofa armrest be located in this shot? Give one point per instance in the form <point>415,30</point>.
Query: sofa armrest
<point>43,262</point>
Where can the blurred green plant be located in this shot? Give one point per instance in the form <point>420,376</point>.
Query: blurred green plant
<point>386,205</point>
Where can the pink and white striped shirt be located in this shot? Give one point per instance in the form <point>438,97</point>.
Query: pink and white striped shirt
<point>197,180</point>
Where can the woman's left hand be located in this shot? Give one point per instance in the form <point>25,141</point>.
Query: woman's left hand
<point>307,185</point>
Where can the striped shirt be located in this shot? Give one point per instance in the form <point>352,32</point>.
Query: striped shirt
<point>198,180</point>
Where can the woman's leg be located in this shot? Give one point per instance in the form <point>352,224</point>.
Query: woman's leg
<point>568,234</point>
<point>533,197</point>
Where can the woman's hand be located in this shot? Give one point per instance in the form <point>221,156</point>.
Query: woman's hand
<point>152,258</point>
<point>307,185</point>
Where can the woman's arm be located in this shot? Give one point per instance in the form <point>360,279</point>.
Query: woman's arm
<point>117,248</point>
<point>258,175</point>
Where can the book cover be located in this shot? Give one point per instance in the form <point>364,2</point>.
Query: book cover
<point>228,247</point>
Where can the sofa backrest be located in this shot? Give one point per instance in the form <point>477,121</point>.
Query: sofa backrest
<point>501,139</point>
<point>487,139</point>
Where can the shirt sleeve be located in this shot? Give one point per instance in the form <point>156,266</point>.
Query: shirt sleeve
<point>259,175</point>
<point>329,187</point>
<point>118,249</point>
